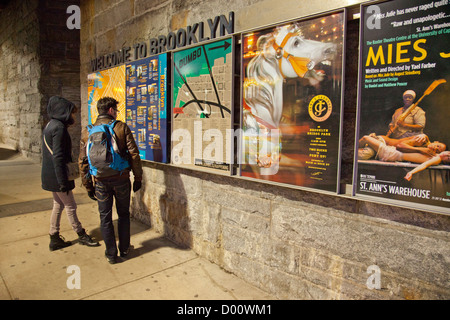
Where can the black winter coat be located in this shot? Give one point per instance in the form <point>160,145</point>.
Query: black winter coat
<point>54,170</point>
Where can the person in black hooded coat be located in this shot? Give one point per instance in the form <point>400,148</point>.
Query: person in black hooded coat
<point>56,153</point>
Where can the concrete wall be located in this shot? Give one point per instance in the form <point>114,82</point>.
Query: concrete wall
<point>296,244</point>
<point>40,58</point>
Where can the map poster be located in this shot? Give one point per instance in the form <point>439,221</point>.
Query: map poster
<point>146,111</point>
<point>404,89</point>
<point>202,105</point>
<point>291,108</point>
<point>106,83</point>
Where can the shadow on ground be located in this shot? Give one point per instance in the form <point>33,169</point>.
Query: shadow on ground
<point>8,154</point>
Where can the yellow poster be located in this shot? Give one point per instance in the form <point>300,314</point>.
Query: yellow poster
<point>106,83</point>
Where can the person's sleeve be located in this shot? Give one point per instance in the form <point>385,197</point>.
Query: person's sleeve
<point>420,118</point>
<point>393,119</point>
<point>133,152</point>
<point>59,157</point>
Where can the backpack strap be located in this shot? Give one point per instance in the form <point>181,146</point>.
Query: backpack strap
<point>113,124</point>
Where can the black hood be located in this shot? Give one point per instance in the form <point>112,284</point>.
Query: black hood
<point>59,108</point>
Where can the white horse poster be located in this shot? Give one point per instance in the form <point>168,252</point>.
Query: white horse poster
<point>291,108</point>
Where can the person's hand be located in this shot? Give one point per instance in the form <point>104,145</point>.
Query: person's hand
<point>427,151</point>
<point>91,195</point>
<point>401,123</point>
<point>264,161</point>
<point>408,176</point>
<point>137,185</point>
<point>420,138</point>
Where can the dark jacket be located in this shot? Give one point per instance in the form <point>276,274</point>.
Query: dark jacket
<point>127,146</point>
<point>54,170</point>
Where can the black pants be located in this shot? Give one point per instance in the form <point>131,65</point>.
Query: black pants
<point>105,191</point>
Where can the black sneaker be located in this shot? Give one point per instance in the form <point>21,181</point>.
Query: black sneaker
<point>85,239</point>
<point>58,242</point>
<point>113,260</point>
<point>124,254</point>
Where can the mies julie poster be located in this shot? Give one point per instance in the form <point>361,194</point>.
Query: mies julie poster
<point>404,89</point>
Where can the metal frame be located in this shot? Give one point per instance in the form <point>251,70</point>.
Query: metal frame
<point>167,100</point>
<point>360,196</point>
<point>231,126</point>
<point>300,19</point>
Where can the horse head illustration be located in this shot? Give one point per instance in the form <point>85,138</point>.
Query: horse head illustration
<point>282,54</point>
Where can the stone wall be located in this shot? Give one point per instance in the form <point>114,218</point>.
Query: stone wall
<point>60,60</point>
<point>19,91</point>
<point>296,244</point>
<point>40,58</point>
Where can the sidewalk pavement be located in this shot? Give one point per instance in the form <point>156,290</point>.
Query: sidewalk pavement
<point>157,269</point>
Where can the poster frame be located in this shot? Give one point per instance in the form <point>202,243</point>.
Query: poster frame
<point>167,99</point>
<point>229,171</point>
<point>339,188</point>
<point>355,194</point>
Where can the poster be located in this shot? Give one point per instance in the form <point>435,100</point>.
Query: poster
<point>202,105</point>
<point>292,92</point>
<point>404,75</point>
<point>146,111</point>
<point>106,83</point>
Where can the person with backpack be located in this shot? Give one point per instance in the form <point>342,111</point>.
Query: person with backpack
<point>56,154</point>
<point>108,152</point>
